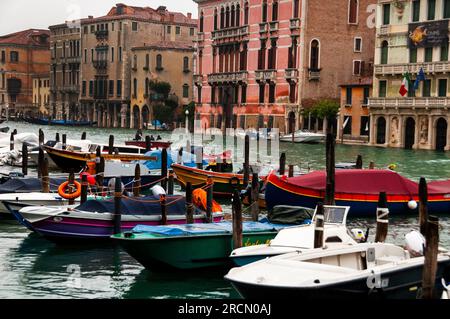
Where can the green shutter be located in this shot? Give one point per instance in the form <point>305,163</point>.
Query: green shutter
<point>386,14</point>
<point>431,9</point>
<point>428,54</point>
<point>446,9</point>
<point>442,87</point>
<point>413,55</point>
<point>382,88</point>
<point>444,53</point>
<point>416,11</point>
<point>426,88</point>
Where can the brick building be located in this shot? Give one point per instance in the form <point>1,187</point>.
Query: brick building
<point>262,62</point>
<point>23,55</point>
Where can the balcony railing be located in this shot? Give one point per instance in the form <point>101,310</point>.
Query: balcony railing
<point>295,23</point>
<point>266,75</point>
<point>100,64</point>
<point>314,75</point>
<point>263,27</point>
<point>74,88</point>
<point>198,79</point>
<point>273,26</point>
<point>73,60</point>
<point>101,34</point>
<point>200,37</point>
<point>291,74</point>
<point>230,33</point>
<point>234,77</point>
<point>428,67</point>
<point>417,102</point>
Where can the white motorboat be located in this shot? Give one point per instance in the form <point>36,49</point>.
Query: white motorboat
<point>303,136</point>
<point>302,237</point>
<point>357,271</point>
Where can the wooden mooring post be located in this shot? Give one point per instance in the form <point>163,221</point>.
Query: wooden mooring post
<point>11,142</point>
<point>209,199</point>
<point>57,139</point>
<point>117,206</point>
<point>137,181</point>
<point>111,145</point>
<point>163,201</point>
<point>64,141</point>
<point>423,203</point>
<point>71,187</point>
<point>24,159</point>
<point>246,160</point>
<point>41,137</point>
<point>237,219</point>
<point>331,169</point>
<point>255,197</point>
<point>44,176</point>
<point>359,162</point>
<point>319,226</point>
<point>84,188</point>
<point>41,157</point>
<point>83,136</point>
<point>431,254</point>
<point>282,164</point>
<point>189,204</point>
<point>372,165</point>
<point>164,169</point>
<point>148,143</point>
<point>382,218</point>
<point>170,186</point>
<point>291,171</point>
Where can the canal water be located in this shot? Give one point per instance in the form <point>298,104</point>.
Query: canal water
<point>32,267</point>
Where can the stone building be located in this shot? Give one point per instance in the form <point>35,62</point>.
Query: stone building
<point>411,35</point>
<point>107,56</point>
<point>23,55</point>
<point>41,94</point>
<point>167,61</point>
<point>262,62</point>
<point>65,46</point>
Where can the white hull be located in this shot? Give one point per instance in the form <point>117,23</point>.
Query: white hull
<point>304,137</point>
<point>32,199</point>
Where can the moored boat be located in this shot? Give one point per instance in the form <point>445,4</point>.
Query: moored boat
<point>43,121</point>
<point>303,136</point>
<point>153,144</point>
<point>358,189</point>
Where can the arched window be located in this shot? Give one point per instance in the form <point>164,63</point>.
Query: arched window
<point>296,8</point>
<point>227,17</point>
<point>353,11</point>
<point>147,85</point>
<point>238,15</point>
<point>314,55</point>
<point>201,22</point>
<point>185,91</point>
<point>135,88</point>
<point>159,62</point>
<point>222,18</point>
<point>233,16</point>
<point>275,11</point>
<point>147,61</point>
<point>135,61</point>
<point>186,63</point>
<point>384,52</point>
<point>264,11</point>
<point>246,12</point>
<point>215,19</point>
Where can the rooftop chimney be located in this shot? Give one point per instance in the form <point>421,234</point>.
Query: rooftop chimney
<point>161,8</point>
<point>189,15</point>
<point>91,17</point>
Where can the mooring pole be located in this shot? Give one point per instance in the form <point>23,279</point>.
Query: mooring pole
<point>209,199</point>
<point>430,262</point>
<point>237,219</point>
<point>41,137</point>
<point>282,164</point>
<point>117,206</point>
<point>100,173</point>
<point>71,187</point>
<point>331,170</point>
<point>189,204</point>
<point>41,157</point>
<point>423,202</point>
<point>84,188</point>
<point>11,142</point>
<point>45,178</point>
<point>164,169</point>
<point>148,144</point>
<point>199,158</point>
<point>64,141</point>
<point>83,136</point>
<point>111,145</point>
<point>255,197</point>
<point>372,165</point>
<point>382,218</point>
<point>170,187</point>
<point>291,171</point>
<point>246,160</point>
<point>359,162</point>
<point>24,159</point>
<point>162,199</point>
<point>57,139</point>
<point>137,181</point>
<point>319,226</point>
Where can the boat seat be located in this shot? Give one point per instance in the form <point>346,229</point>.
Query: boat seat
<point>388,259</point>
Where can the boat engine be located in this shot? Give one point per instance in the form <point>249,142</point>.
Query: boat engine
<point>415,243</point>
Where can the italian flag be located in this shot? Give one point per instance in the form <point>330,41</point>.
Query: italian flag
<point>405,85</point>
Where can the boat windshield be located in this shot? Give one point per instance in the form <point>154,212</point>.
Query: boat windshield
<point>335,214</point>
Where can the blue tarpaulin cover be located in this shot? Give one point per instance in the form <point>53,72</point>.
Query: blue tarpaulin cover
<point>207,229</point>
<point>188,159</point>
<point>27,185</point>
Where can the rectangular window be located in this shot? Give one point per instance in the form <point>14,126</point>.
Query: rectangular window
<point>83,88</point>
<point>413,55</point>
<point>446,9</point>
<point>169,29</point>
<point>426,92</point>
<point>415,10</point>
<point>356,67</point>
<point>185,91</point>
<point>134,26</point>
<point>92,28</point>
<point>358,45</point>
<point>213,94</point>
<point>91,88</point>
<point>92,55</point>
<point>262,89</point>
<point>86,30</point>
<point>444,52</point>
<point>431,9</point>
<point>428,54</point>
<point>14,56</point>
<point>365,126</point>
<point>112,26</point>
<point>348,96</point>
<point>3,57</point>
<point>111,87</point>
<point>243,94</point>
<point>119,88</point>
<point>411,91</point>
<point>347,129</point>
<point>382,88</point>
<point>442,91</point>
<point>192,32</point>
<point>366,96</point>
<point>272,90</point>
<point>177,30</point>
<point>386,13</point>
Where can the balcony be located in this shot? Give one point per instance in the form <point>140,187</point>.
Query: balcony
<point>273,26</point>
<point>399,69</point>
<point>412,102</point>
<point>263,27</point>
<point>230,33</point>
<point>234,77</point>
<point>291,74</point>
<point>200,37</point>
<point>74,88</point>
<point>100,64</point>
<point>266,75</point>
<point>294,24</point>
<point>314,74</point>
<point>198,79</point>
<point>73,60</point>
<point>101,34</point>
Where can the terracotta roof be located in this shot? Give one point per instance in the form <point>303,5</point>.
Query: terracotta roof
<point>144,13</point>
<point>167,45</point>
<point>32,37</point>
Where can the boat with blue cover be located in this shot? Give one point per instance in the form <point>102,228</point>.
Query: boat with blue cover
<point>191,246</point>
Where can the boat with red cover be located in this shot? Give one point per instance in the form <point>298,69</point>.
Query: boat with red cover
<point>358,189</point>
<point>153,144</point>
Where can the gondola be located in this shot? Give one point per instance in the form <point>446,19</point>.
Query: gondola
<point>58,122</point>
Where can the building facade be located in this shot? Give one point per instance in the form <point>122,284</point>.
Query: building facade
<point>107,45</point>
<point>23,55</point>
<point>41,93</point>
<point>166,61</point>
<point>263,62</point>
<point>411,36</point>
<point>65,46</point>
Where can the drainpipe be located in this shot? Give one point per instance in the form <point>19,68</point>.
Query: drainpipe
<point>302,55</point>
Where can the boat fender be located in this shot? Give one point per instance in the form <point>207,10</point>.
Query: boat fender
<point>62,190</point>
<point>415,243</point>
<point>412,204</point>
<point>157,191</point>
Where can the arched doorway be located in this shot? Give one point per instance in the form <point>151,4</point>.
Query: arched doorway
<point>145,116</point>
<point>410,133</point>
<point>441,134</point>
<point>291,124</point>
<point>381,130</point>
<point>137,117</point>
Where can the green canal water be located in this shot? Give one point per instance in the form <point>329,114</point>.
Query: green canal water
<point>32,267</point>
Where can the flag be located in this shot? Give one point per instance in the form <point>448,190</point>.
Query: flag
<point>420,77</point>
<point>405,86</point>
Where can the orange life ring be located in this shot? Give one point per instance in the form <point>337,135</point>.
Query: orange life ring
<point>63,194</point>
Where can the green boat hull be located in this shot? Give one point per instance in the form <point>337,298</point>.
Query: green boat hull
<point>186,252</point>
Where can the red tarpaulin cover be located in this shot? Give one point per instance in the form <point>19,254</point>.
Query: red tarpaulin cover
<point>360,182</point>
<point>439,187</point>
